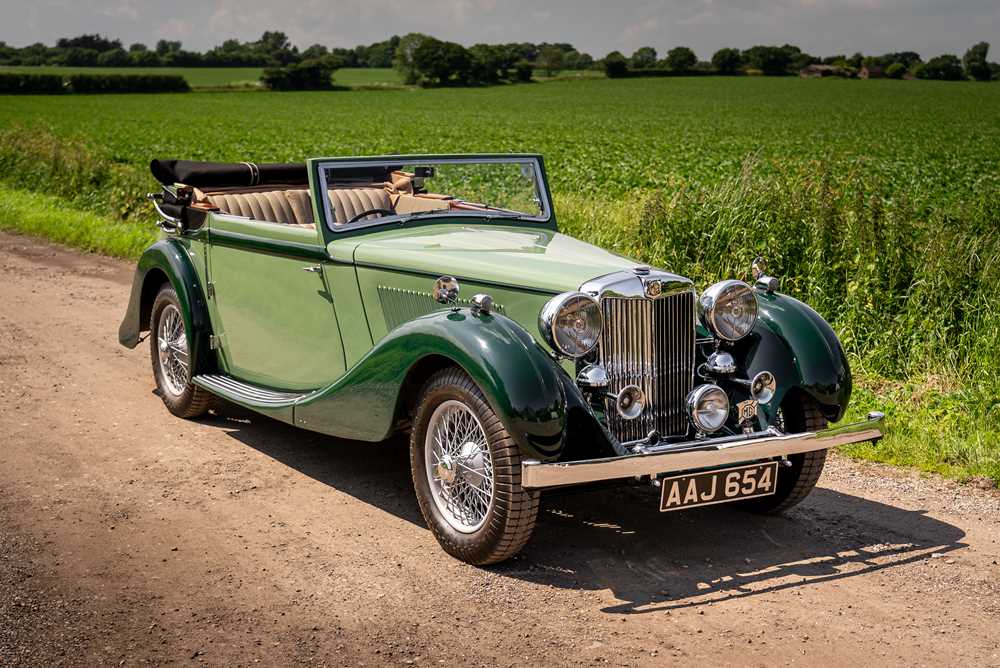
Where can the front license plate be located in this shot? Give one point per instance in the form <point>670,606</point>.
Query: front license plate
<point>704,489</point>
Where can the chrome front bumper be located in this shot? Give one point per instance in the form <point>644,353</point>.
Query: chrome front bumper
<point>700,454</point>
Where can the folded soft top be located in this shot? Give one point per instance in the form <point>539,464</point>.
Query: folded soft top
<point>227,175</point>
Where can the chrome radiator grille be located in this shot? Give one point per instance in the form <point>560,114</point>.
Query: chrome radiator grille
<point>649,343</point>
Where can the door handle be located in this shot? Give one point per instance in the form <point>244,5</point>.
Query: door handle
<point>316,268</point>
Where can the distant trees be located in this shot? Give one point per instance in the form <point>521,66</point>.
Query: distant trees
<point>550,59</point>
<point>975,64</point>
<point>449,63</point>
<point>615,65</point>
<point>403,59</point>
<point>770,60</point>
<point>681,59</point>
<point>425,60</point>
<point>946,67</point>
<point>727,61</point>
<point>443,62</point>
<point>896,71</point>
<point>643,58</point>
<point>313,74</point>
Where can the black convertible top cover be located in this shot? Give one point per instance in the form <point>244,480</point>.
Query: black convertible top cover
<point>226,175</point>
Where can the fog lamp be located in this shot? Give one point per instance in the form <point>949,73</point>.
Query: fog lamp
<point>708,407</point>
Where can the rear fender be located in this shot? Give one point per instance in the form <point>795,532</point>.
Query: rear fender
<point>167,261</point>
<point>520,381</point>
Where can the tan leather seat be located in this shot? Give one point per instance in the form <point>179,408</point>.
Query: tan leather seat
<point>346,203</point>
<point>287,207</point>
<point>294,206</point>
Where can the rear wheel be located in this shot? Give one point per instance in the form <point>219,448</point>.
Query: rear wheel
<point>168,349</point>
<point>467,473</point>
<point>800,414</point>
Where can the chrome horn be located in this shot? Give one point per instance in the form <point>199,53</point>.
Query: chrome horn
<point>630,402</point>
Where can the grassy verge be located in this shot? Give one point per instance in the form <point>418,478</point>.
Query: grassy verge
<point>935,425</point>
<point>53,218</point>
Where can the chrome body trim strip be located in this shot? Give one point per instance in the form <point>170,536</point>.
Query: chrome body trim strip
<point>697,454</point>
<point>230,388</point>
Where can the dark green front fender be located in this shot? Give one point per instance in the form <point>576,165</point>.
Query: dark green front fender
<point>800,348</point>
<point>520,381</point>
<point>167,261</point>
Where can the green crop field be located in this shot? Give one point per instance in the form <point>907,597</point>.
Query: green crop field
<point>876,201</point>
<point>366,76</point>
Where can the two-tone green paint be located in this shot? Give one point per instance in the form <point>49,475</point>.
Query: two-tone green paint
<point>170,261</point>
<point>299,309</point>
<point>519,379</point>
<point>273,307</point>
<point>800,348</point>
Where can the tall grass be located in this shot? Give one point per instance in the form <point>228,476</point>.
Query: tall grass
<point>910,288</point>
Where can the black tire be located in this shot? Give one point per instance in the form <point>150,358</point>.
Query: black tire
<point>795,482</point>
<point>513,511</point>
<point>191,401</point>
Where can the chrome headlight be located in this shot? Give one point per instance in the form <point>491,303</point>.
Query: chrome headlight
<point>729,309</point>
<point>708,407</point>
<point>571,323</point>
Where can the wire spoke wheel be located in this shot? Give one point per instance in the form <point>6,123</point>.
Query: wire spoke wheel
<point>466,471</point>
<point>171,344</point>
<point>459,466</point>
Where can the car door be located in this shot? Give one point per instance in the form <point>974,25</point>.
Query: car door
<point>273,309</point>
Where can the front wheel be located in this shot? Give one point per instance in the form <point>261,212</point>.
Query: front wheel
<point>168,348</point>
<point>467,473</point>
<point>799,414</point>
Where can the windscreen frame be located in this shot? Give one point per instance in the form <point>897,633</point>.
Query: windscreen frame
<point>319,174</point>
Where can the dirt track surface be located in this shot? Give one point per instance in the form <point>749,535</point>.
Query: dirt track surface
<point>128,536</point>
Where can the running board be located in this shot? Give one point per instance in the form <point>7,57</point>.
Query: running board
<point>246,394</point>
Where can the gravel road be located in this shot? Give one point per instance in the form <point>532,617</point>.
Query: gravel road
<point>128,536</point>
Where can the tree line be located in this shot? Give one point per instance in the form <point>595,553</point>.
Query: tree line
<point>789,59</point>
<point>423,59</point>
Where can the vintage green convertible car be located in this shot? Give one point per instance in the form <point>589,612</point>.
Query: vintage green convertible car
<point>434,295</point>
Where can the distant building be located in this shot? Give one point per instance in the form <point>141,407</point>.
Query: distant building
<point>817,71</point>
<point>872,72</point>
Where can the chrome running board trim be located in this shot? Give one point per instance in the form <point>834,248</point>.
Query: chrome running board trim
<point>699,454</point>
<point>244,393</point>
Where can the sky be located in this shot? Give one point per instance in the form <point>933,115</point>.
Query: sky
<point>820,27</point>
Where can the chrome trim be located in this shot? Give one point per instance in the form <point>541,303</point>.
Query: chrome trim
<point>709,298</point>
<point>549,313</point>
<point>541,187</point>
<point>167,222</point>
<point>482,304</point>
<point>768,284</point>
<point>693,401</point>
<point>650,343</point>
<point>697,454</point>
<point>720,363</point>
<point>630,402</point>
<point>628,284</point>
<point>446,290</point>
<point>763,386</point>
<point>592,377</point>
<point>235,390</point>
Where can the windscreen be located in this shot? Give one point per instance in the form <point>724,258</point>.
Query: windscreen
<point>376,192</point>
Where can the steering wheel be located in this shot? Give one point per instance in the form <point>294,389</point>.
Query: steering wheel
<point>370,212</point>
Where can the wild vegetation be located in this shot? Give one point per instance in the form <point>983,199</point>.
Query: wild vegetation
<point>845,188</point>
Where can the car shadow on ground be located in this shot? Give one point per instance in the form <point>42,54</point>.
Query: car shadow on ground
<point>616,539</point>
